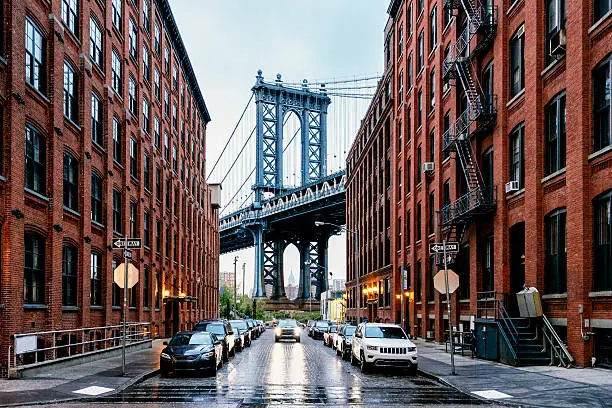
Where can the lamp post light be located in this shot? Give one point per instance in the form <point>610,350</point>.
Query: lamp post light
<point>356,249</point>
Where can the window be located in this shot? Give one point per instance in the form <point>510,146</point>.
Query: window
<point>174,78</point>
<point>147,229</point>
<point>157,39</point>
<point>96,119</point>
<point>601,8</point>
<point>421,59</point>
<point>432,145</point>
<point>156,132</point>
<point>146,122</point>
<point>487,170</point>
<point>132,94</point>
<point>156,85</point>
<point>34,269</point>
<point>408,124</point>
<point>446,197</point>
<point>463,266</point>
<point>95,294</point>
<point>167,243</point>
<point>70,93</point>
<point>555,134</point>
<point>446,78</point>
<point>166,146</point>
<point>35,57</point>
<point>602,109</point>
<point>420,106</point>
<point>419,166</point>
<point>517,164</point>
<point>448,13</point>
<point>174,160</point>
<point>432,213</point>
<point>432,90</point>
<point>117,10</point>
<point>418,295</point>
<point>555,22</point>
<point>158,236</point>
<point>116,73</point>
<point>433,29</point>
<point>174,117</point>
<point>408,228</point>
<point>602,241</point>
<point>168,192</point>
<point>96,198</point>
<point>133,36</point>
<point>147,171</point>
<point>35,161</point>
<point>146,20</point>
<point>446,134</point>
<point>146,64</point>
<point>555,269</point>
<point>409,72</point>
<point>145,287</point>
<point>117,222</point>
<point>133,219</point>
<point>517,68</point>
<point>166,103</point>
<point>71,182</point>
<point>400,90</point>
<point>408,173</point>
<point>166,60</point>
<point>70,14</point>
<point>420,6</point>
<point>409,21</point>
<point>399,137</point>
<point>116,140</point>
<point>418,222</point>
<point>158,290</point>
<point>400,41</point>
<point>95,42</point>
<point>69,275</point>
<point>134,157</point>
<point>158,184</point>
<point>117,299</point>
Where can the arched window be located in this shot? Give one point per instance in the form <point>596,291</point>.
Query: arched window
<point>34,269</point>
<point>71,182</point>
<point>69,275</point>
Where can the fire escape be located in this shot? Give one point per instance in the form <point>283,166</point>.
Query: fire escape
<point>477,118</point>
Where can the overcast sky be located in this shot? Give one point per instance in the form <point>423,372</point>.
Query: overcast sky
<point>228,41</point>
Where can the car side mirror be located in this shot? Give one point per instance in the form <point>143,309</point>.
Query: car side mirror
<point>165,343</point>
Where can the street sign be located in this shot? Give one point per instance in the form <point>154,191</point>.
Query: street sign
<point>132,243</point>
<point>127,254</point>
<point>438,247</point>
<point>119,276</point>
<point>440,285</point>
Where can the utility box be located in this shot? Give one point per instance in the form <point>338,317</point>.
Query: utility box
<point>529,302</point>
<point>215,195</point>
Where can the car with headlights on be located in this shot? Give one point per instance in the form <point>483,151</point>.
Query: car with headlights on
<point>329,334</point>
<point>344,340</point>
<point>244,330</point>
<point>318,328</point>
<point>287,329</point>
<point>223,330</point>
<point>383,345</point>
<point>191,351</point>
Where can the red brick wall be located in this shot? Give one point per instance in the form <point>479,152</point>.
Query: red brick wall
<point>199,238</point>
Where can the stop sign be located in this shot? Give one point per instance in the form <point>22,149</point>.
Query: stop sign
<point>119,275</point>
<point>440,284</point>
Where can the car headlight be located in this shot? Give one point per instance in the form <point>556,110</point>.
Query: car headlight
<point>411,349</point>
<point>207,354</point>
<point>372,348</point>
<point>165,356</point>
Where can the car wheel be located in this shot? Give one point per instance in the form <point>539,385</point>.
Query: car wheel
<point>364,366</point>
<point>220,363</point>
<point>276,339</point>
<point>337,351</point>
<point>164,373</point>
<point>233,352</point>
<point>225,355</point>
<point>353,359</point>
<point>344,355</point>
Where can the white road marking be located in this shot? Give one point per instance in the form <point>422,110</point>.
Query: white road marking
<point>93,390</point>
<point>491,394</point>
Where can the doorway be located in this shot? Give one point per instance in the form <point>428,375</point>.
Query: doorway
<point>172,318</point>
<point>517,266</point>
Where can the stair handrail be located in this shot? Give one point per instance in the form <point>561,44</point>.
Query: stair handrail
<point>508,342</point>
<point>504,317</point>
<point>556,343</point>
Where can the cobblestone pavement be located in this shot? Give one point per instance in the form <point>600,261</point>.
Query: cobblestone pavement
<point>293,374</point>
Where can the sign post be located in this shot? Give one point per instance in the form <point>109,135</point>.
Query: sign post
<point>125,245</point>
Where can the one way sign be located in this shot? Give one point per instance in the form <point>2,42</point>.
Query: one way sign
<point>438,247</point>
<point>132,243</point>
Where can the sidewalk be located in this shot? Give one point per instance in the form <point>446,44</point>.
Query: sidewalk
<point>82,380</point>
<point>536,386</point>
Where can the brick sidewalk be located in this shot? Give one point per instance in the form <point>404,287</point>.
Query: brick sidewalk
<point>537,386</point>
<point>74,382</point>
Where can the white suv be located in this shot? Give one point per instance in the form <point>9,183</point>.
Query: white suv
<point>383,345</point>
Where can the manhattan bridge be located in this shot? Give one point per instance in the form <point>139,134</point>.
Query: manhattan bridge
<point>282,169</point>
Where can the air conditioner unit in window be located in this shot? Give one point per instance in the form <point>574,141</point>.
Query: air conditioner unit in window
<point>428,166</point>
<point>512,186</point>
<point>557,43</point>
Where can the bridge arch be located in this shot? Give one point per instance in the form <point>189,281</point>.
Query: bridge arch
<point>292,148</point>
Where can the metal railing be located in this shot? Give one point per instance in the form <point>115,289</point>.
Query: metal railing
<point>559,354</point>
<point>32,349</point>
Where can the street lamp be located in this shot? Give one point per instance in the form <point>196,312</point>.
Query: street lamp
<point>356,249</point>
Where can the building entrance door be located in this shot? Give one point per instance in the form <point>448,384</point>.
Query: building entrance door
<point>172,318</point>
<point>517,266</point>
<point>372,311</point>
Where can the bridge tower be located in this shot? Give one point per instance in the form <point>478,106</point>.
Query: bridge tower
<point>274,102</point>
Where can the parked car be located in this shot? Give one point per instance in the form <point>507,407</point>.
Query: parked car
<point>245,332</point>
<point>262,325</point>
<point>329,334</point>
<point>344,339</point>
<point>254,328</point>
<point>318,328</point>
<point>287,329</point>
<point>223,330</point>
<point>309,327</point>
<point>383,345</point>
<point>191,351</point>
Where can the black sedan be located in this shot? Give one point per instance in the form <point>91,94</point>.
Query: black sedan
<point>318,328</point>
<point>191,351</point>
<point>244,330</point>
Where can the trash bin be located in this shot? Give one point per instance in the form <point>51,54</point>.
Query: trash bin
<point>529,302</point>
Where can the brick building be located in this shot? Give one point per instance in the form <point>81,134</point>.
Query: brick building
<point>103,134</point>
<point>490,118</point>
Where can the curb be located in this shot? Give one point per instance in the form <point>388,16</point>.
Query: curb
<point>133,381</point>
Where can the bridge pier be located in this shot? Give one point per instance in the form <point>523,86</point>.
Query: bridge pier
<point>313,266</point>
<point>257,231</point>
<point>273,270</point>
